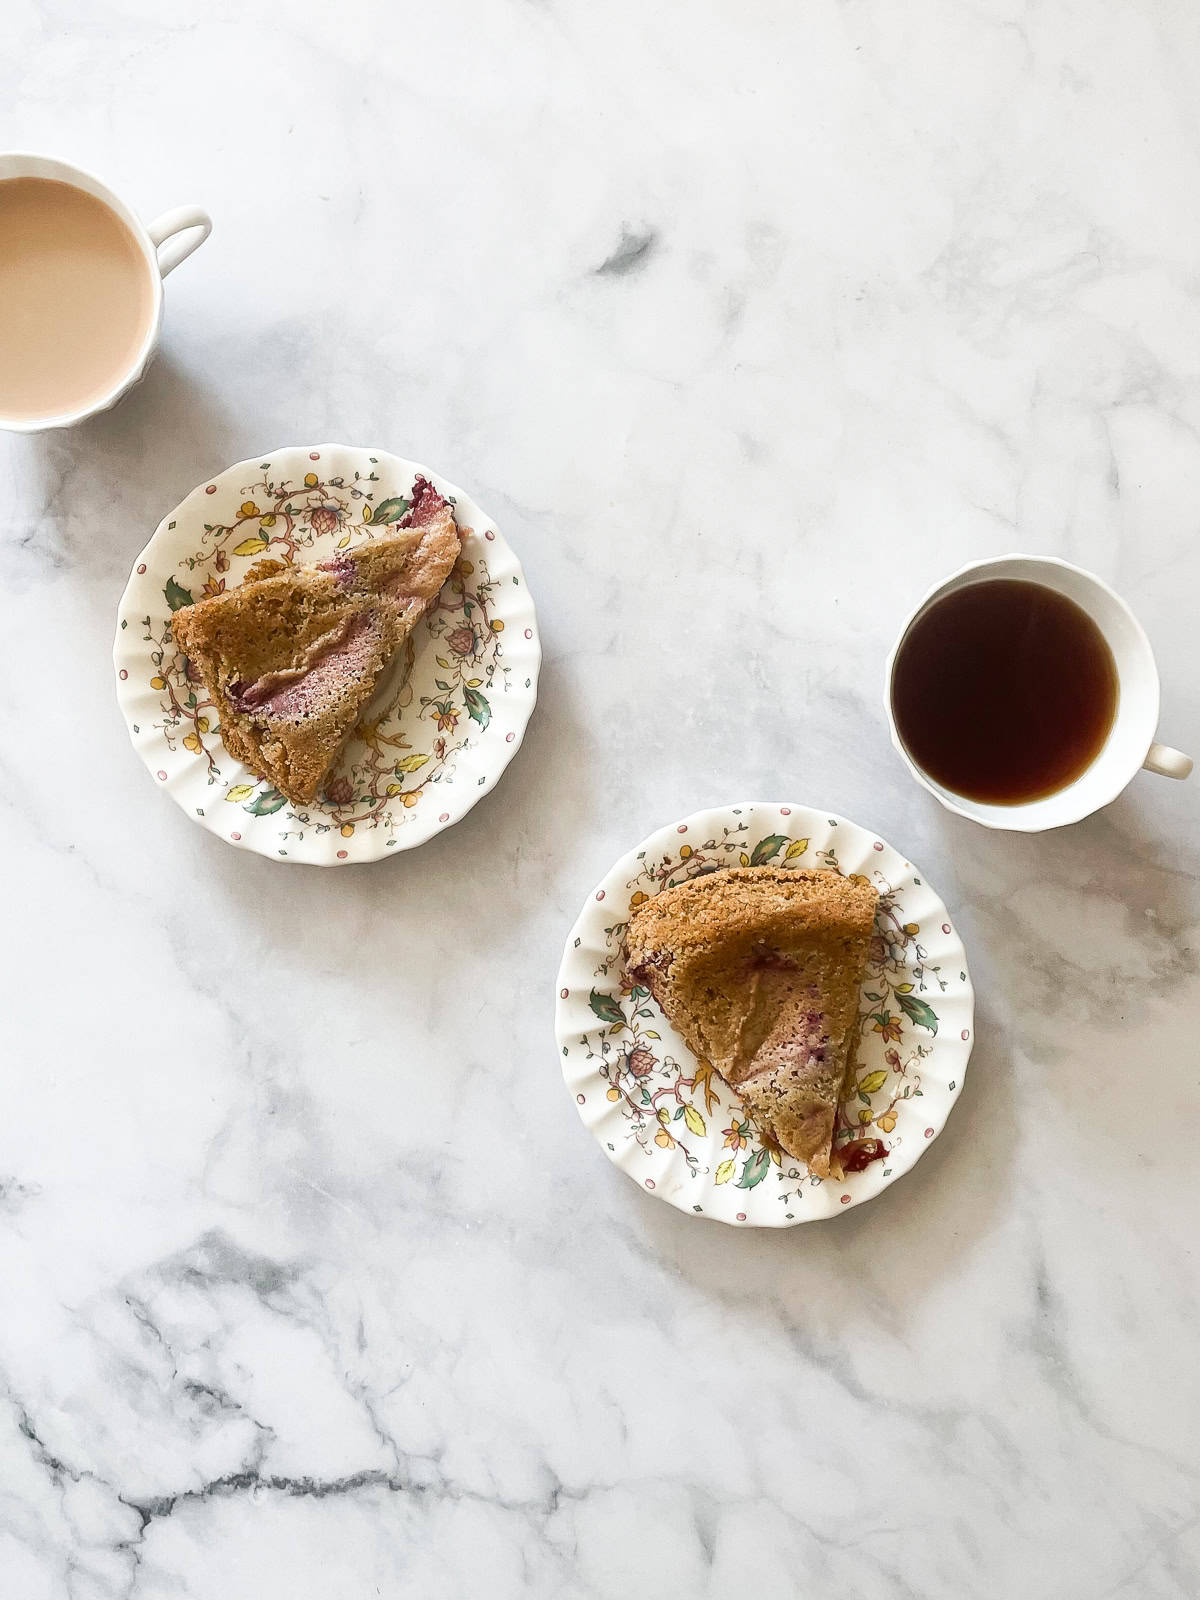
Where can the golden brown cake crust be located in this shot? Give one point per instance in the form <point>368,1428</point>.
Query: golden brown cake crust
<point>290,661</point>
<point>759,970</point>
<point>690,913</point>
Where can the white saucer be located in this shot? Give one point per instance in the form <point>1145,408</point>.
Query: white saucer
<point>424,753</point>
<point>679,1132</point>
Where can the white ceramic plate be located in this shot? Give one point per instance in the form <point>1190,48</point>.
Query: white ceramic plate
<point>677,1129</point>
<point>424,752</point>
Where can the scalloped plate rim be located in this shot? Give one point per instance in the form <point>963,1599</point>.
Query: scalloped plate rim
<point>862,1186</point>
<point>373,844</point>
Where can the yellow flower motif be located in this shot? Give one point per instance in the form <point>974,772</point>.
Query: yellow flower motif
<point>310,480</point>
<point>465,567</point>
<point>888,1026</point>
<point>735,1136</point>
<point>269,520</point>
<point>191,741</point>
<point>394,788</point>
<point>912,929</point>
<point>202,724</point>
<point>411,798</point>
<point>639,899</point>
<point>864,1116</point>
<point>887,1121</point>
<point>249,509</point>
<point>158,683</point>
<point>613,1094</point>
<point>685,851</point>
<point>347,829</point>
<point>497,626</point>
<point>664,1140</point>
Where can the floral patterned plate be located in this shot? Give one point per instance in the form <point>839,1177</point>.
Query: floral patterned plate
<point>669,1121</point>
<point>424,752</point>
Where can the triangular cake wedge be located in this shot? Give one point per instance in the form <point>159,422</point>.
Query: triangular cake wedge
<point>758,969</point>
<point>291,660</point>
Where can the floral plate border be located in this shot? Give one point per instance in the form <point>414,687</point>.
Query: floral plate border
<point>424,752</point>
<point>668,1121</point>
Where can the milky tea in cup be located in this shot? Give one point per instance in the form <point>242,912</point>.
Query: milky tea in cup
<point>77,299</point>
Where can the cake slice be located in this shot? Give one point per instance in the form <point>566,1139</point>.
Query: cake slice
<point>758,968</point>
<point>291,660</point>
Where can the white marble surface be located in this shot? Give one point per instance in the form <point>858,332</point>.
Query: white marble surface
<point>746,322</point>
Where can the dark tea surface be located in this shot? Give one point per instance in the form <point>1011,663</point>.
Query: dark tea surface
<point>1004,691</point>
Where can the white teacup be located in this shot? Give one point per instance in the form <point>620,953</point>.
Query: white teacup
<point>1130,745</point>
<point>163,244</point>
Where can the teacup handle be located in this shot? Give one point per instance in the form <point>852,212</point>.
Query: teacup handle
<point>180,220</point>
<point>1170,763</point>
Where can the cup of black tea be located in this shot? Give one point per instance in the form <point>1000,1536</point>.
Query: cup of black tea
<point>1023,693</point>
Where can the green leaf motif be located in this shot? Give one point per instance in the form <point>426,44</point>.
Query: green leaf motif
<point>923,1015</point>
<point>390,510</point>
<point>605,1007</point>
<point>176,595</point>
<point>477,707</point>
<point>766,848</point>
<point>755,1169</point>
<point>264,804</point>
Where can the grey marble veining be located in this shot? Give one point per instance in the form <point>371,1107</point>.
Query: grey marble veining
<point>746,324</point>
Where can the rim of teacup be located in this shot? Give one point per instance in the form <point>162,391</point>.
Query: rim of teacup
<point>1032,816</point>
<point>47,166</point>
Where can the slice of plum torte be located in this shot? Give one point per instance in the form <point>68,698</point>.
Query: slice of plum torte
<point>758,969</point>
<point>290,661</point>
